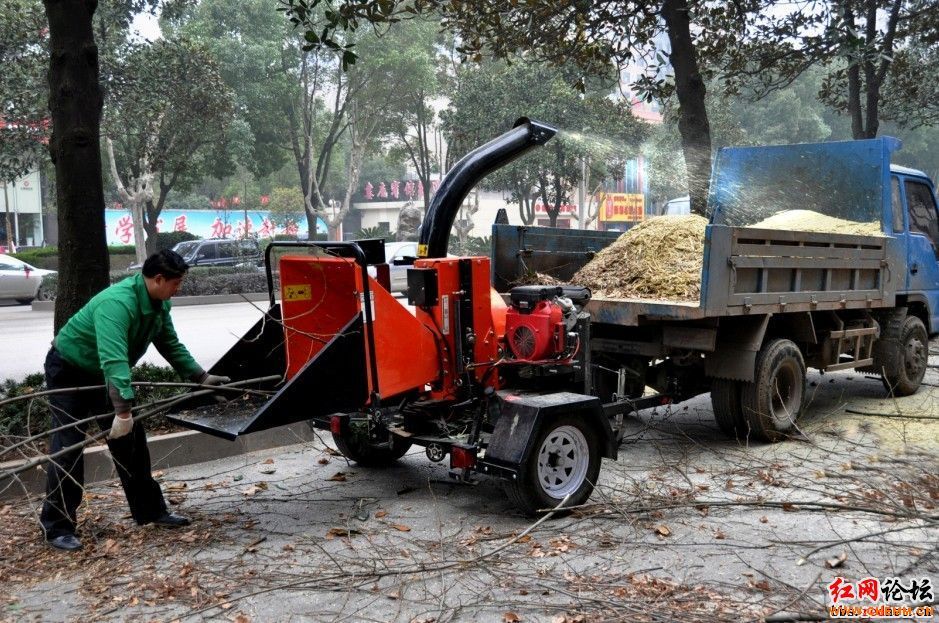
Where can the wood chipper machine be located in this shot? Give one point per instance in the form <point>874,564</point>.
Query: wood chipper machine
<point>495,385</point>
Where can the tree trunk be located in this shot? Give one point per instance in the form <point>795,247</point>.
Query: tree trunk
<point>75,101</point>
<point>692,114</point>
<point>526,208</point>
<point>151,216</point>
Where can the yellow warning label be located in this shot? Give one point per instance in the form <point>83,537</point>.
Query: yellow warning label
<point>422,250</point>
<point>298,292</point>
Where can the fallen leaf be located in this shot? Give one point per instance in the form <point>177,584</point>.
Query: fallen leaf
<point>837,561</point>
<point>401,527</point>
<point>789,507</point>
<point>323,461</point>
<point>762,585</point>
<point>334,532</point>
<point>720,534</point>
<point>394,595</point>
<point>176,486</point>
<point>289,548</point>
<point>510,617</point>
<point>380,514</point>
<point>267,462</point>
<point>764,519</point>
<point>663,530</point>
<point>337,477</point>
<point>240,618</point>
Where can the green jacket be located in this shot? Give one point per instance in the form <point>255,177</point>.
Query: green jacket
<point>113,330</point>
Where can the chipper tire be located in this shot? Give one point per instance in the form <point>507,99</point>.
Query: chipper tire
<point>773,402</point>
<point>564,460</point>
<point>904,357</point>
<point>367,455</point>
<point>728,412</point>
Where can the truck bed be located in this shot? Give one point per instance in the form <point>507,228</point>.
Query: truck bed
<point>745,271</point>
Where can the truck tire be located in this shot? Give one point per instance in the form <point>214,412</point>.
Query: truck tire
<point>725,401</point>
<point>564,460</point>
<point>772,403</point>
<point>368,455</point>
<point>904,358</point>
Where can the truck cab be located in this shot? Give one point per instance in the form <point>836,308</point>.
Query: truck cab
<point>914,219</point>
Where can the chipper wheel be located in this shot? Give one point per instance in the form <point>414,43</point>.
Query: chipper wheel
<point>772,403</point>
<point>356,448</point>
<point>903,356</point>
<point>564,460</point>
<point>728,413</point>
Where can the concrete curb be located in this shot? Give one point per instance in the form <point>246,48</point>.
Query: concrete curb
<point>182,301</point>
<point>172,450</point>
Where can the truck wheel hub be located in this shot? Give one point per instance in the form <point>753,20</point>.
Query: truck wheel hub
<point>562,461</point>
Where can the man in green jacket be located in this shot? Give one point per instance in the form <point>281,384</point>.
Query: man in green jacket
<point>98,346</point>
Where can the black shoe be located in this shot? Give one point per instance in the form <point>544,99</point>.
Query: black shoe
<point>68,542</point>
<point>171,520</point>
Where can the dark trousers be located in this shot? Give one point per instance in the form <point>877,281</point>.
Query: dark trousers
<point>66,474</point>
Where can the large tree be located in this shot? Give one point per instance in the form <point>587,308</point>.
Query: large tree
<point>75,101</point>
<point>257,63</point>
<point>166,122</point>
<point>590,35</point>
<point>23,127</point>
<point>879,56</point>
<point>599,133</point>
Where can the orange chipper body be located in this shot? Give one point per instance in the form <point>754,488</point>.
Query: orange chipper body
<point>414,351</point>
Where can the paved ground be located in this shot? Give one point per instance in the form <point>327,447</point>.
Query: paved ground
<point>207,330</point>
<point>686,525</point>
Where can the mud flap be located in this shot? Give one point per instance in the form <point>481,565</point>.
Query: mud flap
<point>521,417</point>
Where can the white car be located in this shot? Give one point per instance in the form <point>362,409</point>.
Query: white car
<point>20,281</point>
<point>399,274</point>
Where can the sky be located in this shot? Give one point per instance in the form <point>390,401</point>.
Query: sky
<point>147,26</point>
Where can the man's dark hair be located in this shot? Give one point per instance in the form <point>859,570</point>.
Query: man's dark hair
<point>168,263</point>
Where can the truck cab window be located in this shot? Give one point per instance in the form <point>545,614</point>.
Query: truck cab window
<point>896,205</point>
<point>922,211</point>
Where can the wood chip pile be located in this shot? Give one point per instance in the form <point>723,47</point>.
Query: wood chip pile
<point>809,220</point>
<point>660,258</point>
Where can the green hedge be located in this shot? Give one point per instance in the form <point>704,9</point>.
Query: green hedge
<point>31,417</point>
<point>48,257</point>
<point>198,282</point>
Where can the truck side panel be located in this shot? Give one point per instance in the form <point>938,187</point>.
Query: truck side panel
<point>756,271</point>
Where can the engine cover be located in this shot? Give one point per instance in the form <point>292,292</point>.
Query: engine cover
<point>535,335</point>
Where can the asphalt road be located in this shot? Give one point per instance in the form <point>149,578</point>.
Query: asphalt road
<point>208,331</point>
<point>686,526</point>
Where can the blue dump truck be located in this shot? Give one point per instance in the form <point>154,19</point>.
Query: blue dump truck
<point>773,302</point>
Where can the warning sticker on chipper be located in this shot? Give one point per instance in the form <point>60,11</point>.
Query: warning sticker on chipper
<point>301,292</point>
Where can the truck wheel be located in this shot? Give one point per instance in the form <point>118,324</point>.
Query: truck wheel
<point>353,448</point>
<point>772,403</point>
<point>904,360</point>
<point>725,401</point>
<point>564,460</point>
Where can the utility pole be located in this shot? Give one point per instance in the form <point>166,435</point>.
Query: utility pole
<point>244,202</point>
<point>6,204</point>
<point>582,194</point>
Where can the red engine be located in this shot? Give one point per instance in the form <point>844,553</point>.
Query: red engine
<point>536,334</point>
